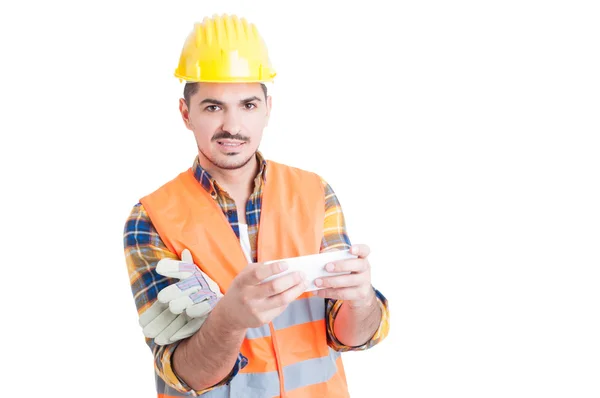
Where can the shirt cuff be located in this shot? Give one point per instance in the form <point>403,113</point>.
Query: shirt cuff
<point>333,307</point>
<point>164,368</point>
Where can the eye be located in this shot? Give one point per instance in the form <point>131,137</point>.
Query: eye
<point>250,105</point>
<point>212,108</point>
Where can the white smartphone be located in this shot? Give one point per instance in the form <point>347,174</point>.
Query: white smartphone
<point>313,266</point>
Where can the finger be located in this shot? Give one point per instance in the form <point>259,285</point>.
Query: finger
<point>164,337</point>
<point>200,310</point>
<point>151,313</point>
<point>186,257</point>
<point>172,268</point>
<point>348,280</point>
<point>281,284</point>
<point>159,323</point>
<point>287,296</point>
<point>351,265</point>
<point>173,292</point>
<point>180,304</point>
<point>344,293</point>
<point>197,282</point>
<point>362,251</point>
<point>191,327</point>
<point>257,273</point>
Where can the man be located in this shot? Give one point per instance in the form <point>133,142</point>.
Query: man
<point>213,327</point>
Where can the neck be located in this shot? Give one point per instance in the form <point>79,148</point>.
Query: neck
<point>238,181</point>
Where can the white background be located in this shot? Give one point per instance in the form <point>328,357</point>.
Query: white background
<point>461,138</point>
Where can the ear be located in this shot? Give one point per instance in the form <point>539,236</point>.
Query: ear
<point>185,113</point>
<point>269,103</point>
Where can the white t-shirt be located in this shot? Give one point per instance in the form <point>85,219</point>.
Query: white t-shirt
<point>245,241</point>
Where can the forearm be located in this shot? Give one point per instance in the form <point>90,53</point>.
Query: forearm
<point>208,357</point>
<point>354,327</point>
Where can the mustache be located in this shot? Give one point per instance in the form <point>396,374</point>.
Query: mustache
<point>228,136</point>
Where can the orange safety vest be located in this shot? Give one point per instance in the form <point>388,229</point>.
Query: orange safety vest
<point>289,357</point>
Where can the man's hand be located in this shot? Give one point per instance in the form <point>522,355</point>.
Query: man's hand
<point>354,288</point>
<point>359,316</point>
<point>249,303</point>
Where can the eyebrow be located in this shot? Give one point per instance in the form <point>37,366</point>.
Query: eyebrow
<point>211,101</point>
<point>221,103</point>
<point>250,99</point>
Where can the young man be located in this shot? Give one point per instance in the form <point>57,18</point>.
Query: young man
<point>214,329</point>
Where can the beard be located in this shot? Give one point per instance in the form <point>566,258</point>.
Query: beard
<point>230,163</point>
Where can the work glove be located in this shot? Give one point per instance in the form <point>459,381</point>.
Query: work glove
<point>182,307</point>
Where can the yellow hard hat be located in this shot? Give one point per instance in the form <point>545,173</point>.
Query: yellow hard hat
<point>224,49</point>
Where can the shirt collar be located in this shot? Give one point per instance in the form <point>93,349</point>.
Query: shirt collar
<point>212,186</point>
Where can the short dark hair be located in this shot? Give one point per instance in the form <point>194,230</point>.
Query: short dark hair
<point>191,88</point>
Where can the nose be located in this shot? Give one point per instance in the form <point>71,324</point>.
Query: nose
<point>232,122</point>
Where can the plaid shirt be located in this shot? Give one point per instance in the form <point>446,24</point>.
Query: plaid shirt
<point>144,248</point>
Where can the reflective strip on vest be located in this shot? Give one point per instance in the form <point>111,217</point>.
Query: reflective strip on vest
<point>262,385</point>
<point>300,311</point>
